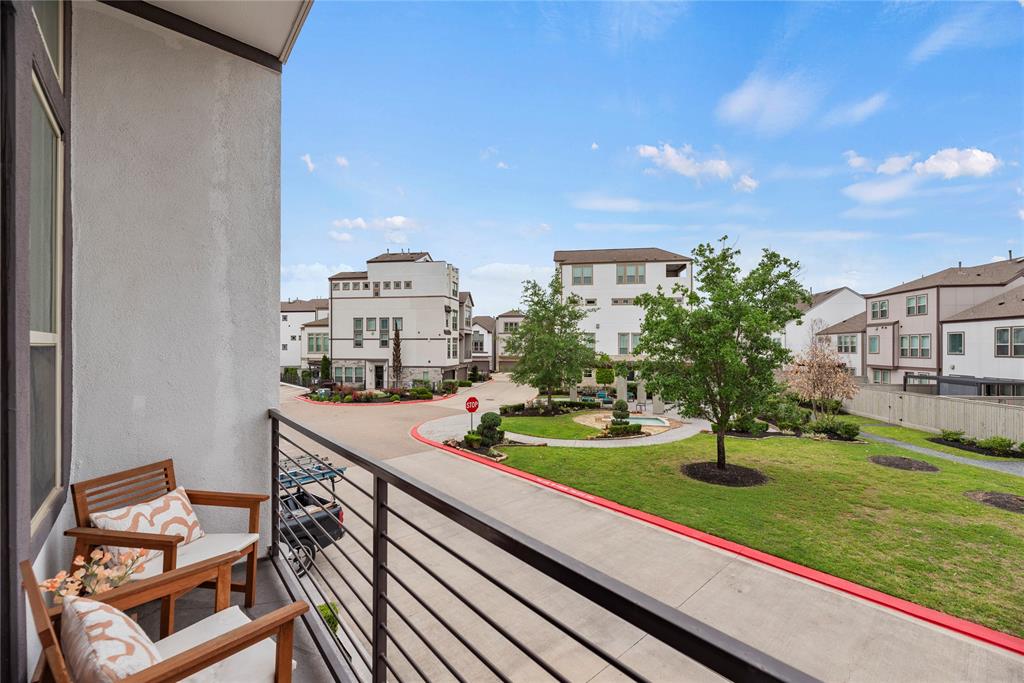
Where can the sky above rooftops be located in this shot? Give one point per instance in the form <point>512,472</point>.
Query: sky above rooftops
<point>874,142</point>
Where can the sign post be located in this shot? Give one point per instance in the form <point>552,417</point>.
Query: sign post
<point>471,405</point>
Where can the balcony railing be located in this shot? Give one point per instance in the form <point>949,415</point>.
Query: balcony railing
<point>417,598</point>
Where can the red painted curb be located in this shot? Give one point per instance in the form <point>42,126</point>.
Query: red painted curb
<point>948,621</point>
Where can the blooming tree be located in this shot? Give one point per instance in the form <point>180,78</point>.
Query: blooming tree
<point>817,374</point>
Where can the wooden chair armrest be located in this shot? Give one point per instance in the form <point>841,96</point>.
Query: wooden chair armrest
<point>135,593</point>
<point>130,539</point>
<point>225,498</point>
<point>223,646</point>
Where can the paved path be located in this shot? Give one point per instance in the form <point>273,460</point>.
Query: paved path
<point>829,634</point>
<point>1009,467</point>
<point>455,426</point>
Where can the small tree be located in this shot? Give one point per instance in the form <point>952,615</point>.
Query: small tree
<point>715,356</point>
<point>817,375</point>
<point>604,376</point>
<point>620,412</point>
<point>552,349</point>
<point>325,369</point>
<point>474,373</point>
<point>396,357</point>
<point>489,430</point>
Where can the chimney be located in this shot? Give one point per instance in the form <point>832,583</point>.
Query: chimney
<point>1011,254</point>
<point>959,264</point>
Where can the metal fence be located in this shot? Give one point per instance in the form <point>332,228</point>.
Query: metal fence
<point>421,587</point>
<point>973,416</point>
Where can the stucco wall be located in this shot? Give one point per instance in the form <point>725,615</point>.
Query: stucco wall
<point>175,168</point>
<point>979,358</point>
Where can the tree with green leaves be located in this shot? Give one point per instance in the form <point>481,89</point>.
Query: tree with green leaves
<point>325,369</point>
<point>396,357</point>
<point>552,350</point>
<point>716,355</point>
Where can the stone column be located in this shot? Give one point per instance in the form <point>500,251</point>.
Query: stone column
<point>659,405</point>
<point>574,393</point>
<point>641,391</point>
<point>620,388</point>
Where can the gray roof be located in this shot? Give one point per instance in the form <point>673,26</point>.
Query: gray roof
<point>465,295</point>
<point>852,325</point>
<point>297,305</point>
<point>991,274</point>
<point>349,275</point>
<point>514,313</point>
<point>392,257</point>
<point>319,322</point>
<point>626,255</point>
<point>484,321</point>
<point>1006,305</point>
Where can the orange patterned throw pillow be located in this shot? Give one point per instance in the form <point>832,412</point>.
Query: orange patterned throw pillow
<point>169,514</point>
<point>101,644</point>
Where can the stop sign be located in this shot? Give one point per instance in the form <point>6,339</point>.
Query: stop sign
<point>472,404</point>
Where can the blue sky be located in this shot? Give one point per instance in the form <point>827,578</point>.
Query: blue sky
<point>872,142</point>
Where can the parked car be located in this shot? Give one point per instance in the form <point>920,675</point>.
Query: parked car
<point>311,523</point>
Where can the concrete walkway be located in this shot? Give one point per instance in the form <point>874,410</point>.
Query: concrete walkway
<point>1015,468</point>
<point>454,427</point>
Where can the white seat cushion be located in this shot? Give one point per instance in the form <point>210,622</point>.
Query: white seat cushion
<point>201,549</point>
<point>254,664</point>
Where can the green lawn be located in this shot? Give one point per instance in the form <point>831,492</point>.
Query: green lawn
<point>557,427</point>
<point>910,534</point>
<point>916,437</point>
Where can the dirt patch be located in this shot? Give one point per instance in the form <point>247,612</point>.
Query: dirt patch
<point>900,463</point>
<point>1003,501</point>
<point>732,475</point>
<point>976,449</point>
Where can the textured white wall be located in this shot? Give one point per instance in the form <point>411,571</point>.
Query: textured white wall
<point>979,357</point>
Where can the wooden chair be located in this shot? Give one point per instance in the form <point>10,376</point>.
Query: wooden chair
<point>195,648</point>
<point>146,483</point>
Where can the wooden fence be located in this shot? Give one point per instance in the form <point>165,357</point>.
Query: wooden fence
<point>975,418</point>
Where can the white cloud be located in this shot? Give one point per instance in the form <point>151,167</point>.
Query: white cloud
<point>745,184</point>
<point>341,161</point>
<point>502,165</point>
<point>594,145</point>
<point>308,280</point>
<point>396,222</point>
<point>1020,212</point>
<point>874,213</point>
<point>963,30</point>
<point>895,164</point>
<point>683,161</point>
<point>600,202</point>
<point>350,223</point>
<point>882,191</point>
<point>389,223</point>
<point>770,106</point>
<point>488,152</point>
<point>855,112</point>
<point>308,161</point>
<point>854,160</point>
<point>340,236</point>
<point>954,163</point>
<point>396,237</point>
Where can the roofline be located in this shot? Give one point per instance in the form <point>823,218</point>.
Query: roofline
<point>676,258</point>
<point>829,297</point>
<point>949,321</point>
<point>901,289</point>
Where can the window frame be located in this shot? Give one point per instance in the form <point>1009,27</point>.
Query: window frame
<point>877,344</point>
<point>963,344</point>
<point>582,275</point>
<point>1014,343</point>
<point>622,275</point>
<point>917,308</point>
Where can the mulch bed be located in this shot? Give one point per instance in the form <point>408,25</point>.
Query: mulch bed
<point>1003,501</point>
<point>732,475</point>
<point>759,435</point>
<point>974,449</point>
<point>900,463</point>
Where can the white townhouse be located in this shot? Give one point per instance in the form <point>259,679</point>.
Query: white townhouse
<point>504,325</point>
<point>294,314</point>
<point>482,340</point>
<point>847,338</point>
<point>609,280</point>
<point>985,344</point>
<point>315,342</point>
<point>465,332</point>
<point>407,291</point>
<point>826,309</point>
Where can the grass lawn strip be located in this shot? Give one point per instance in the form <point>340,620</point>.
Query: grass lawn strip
<point>918,438</point>
<point>914,535</point>
<point>557,427</point>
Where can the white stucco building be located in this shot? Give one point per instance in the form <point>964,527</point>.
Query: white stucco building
<point>826,309</point>
<point>407,291</point>
<point>482,343</point>
<point>295,314</point>
<point>608,281</point>
<point>504,325</point>
<point>986,341</point>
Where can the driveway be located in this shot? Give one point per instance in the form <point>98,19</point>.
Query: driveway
<point>827,633</point>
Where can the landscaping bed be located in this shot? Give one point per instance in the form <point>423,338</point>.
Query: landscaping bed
<point>1003,501</point>
<point>826,506</point>
<point>975,449</point>
<point>732,475</point>
<point>900,462</point>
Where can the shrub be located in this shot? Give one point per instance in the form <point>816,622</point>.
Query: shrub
<point>348,399</point>
<point>790,417</point>
<point>291,375</point>
<point>604,375</point>
<point>620,412</point>
<point>835,428</point>
<point>329,613</point>
<point>951,435</point>
<point>998,445</point>
<point>395,398</point>
<point>474,374</point>
<point>747,424</point>
<point>832,406</point>
<point>421,393</point>
<point>306,374</point>
<point>420,383</point>
<point>512,409</point>
<point>472,440</point>
<point>335,397</point>
<point>624,429</point>
<point>969,441</point>
<point>584,404</point>
<point>489,431</point>
<point>465,383</point>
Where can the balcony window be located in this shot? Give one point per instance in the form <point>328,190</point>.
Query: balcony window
<point>873,344</point>
<point>955,343</point>
<point>583,275</point>
<point>879,310</point>
<point>630,274</point>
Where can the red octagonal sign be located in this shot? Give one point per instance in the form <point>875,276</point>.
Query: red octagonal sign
<point>472,404</point>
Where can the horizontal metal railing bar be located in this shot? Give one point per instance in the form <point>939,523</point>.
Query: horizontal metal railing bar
<point>526,602</point>
<point>333,493</point>
<point>341,475</point>
<point>451,629</point>
<point>412,662</point>
<point>430,646</point>
<point>691,637</point>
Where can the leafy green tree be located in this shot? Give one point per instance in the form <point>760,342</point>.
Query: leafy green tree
<point>716,356</point>
<point>552,349</point>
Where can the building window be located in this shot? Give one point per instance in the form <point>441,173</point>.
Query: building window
<point>371,324</point>
<point>366,285</point>
<point>50,20</point>
<point>408,284</point>
<point>294,338</point>
<point>590,302</point>
<point>510,326</point>
<point>387,284</point>
<point>589,372</point>
<point>397,284</point>
<point>318,343</point>
<point>873,343</point>
<point>955,343</point>
<point>478,342</point>
<point>879,309</point>
<point>284,347</point>
<point>880,376</point>
<point>284,317</point>
<point>357,333</point>
<point>917,305</point>
<point>916,346</point>
<point>384,332</point>
<point>630,274</point>
<point>335,286</point>
<point>353,376</point>
<point>846,343</point>
<point>623,343</point>
<point>622,302</point>
<point>591,339</point>
<point>583,275</point>
<point>1018,342</point>
<point>1003,341</point>
<point>397,324</point>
